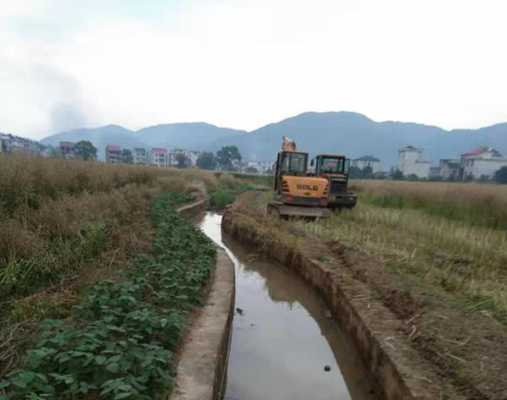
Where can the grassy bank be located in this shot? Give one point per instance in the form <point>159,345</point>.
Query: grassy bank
<point>475,204</point>
<point>444,280</point>
<point>228,187</point>
<point>65,225</point>
<point>119,341</point>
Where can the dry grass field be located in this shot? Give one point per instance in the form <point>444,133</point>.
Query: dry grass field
<point>450,236</point>
<point>65,225</point>
<point>472,203</point>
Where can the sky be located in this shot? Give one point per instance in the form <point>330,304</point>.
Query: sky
<point>245,63</point>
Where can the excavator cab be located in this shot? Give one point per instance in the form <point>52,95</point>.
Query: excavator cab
<point>335,168</point>
<point>289,163</point>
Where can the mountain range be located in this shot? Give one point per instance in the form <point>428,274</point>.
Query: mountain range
<point>348,133</point>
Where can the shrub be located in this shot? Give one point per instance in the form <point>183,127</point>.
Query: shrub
<point>221,198</point>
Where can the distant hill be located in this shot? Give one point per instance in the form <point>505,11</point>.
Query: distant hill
<point>356,135</point>
<point>343,132</point>
<point>192,136</point>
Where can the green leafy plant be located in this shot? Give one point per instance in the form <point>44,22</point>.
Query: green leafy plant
<point>119,342</point>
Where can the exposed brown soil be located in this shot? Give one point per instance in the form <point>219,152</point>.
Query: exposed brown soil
<point>459,355</point>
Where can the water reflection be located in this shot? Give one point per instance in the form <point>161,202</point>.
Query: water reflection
<point>282,336</point>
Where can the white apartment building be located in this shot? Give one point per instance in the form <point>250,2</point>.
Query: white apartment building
<point>158,157</point>
<point>140,156</point>
<point>412,163</point>
<point>368,161</point>
<point>482,162</point>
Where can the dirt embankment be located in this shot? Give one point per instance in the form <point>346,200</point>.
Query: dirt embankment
<point>414,345</point>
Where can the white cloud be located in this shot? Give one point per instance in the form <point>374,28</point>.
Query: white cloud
<point>245,63</point>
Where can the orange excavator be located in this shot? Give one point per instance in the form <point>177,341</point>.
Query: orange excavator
<point>295,193</point>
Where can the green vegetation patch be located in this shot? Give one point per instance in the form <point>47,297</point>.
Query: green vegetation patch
<point>119,342</point>
<point>229,187</point>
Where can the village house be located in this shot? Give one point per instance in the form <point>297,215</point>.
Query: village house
<point>140,156</point>
<point>412,163</point>
<point>159,157</point>
<point>67,149</point>
<point>450,169</point>
<point>368,162</point>
<point>3,143</point>
<point>113,154</point>
<point>15,144</point>
<point>481,163</point>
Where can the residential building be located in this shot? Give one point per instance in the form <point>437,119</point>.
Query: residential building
<point>263,167</point>
<point>16,144</point>
<point>266,166</point>
<point>412,163</point>
<point>45,151</point>
<point>68,150</point>
<point>113,154</point>
<point>159,157</point>
<point>481,163</point>
<point>3,143</point>
<point>368,162</point>
<point>435,173</point>
<point>193,156</point>
<point>450,169</point>
<point>140,156</point>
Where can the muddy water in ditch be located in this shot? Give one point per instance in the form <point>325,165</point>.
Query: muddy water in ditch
<point>282,337</point>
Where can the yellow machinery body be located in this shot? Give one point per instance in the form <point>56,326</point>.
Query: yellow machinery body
<point>295,193</point>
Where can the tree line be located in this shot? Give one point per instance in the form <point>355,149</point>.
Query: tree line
<point>226,159</point>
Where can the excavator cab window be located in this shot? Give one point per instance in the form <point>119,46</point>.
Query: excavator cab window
<point>294,163</point>
<point>347,166</point>
<point>332,165</point>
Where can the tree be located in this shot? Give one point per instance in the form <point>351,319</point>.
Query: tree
<point>367,172</point>
<point>55,152</point>
<point>355,172</point>
<point>501,176</point>
<point>127,157</point>
<point>182,160</point>
<point>397,175</point>
<point>227,156</point>
<point>207,160</point>
<point>252,170</point>
<point>85,150</point>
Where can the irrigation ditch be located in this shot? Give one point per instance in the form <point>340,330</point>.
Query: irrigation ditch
<point>263,333</point>
<point>392,366</point>
<point>300,325</point>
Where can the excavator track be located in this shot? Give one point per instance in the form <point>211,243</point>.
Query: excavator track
<point>280,210</point>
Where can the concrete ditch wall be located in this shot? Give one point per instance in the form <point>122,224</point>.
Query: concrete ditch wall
<point>395,367</point>
<point>202,366</point>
